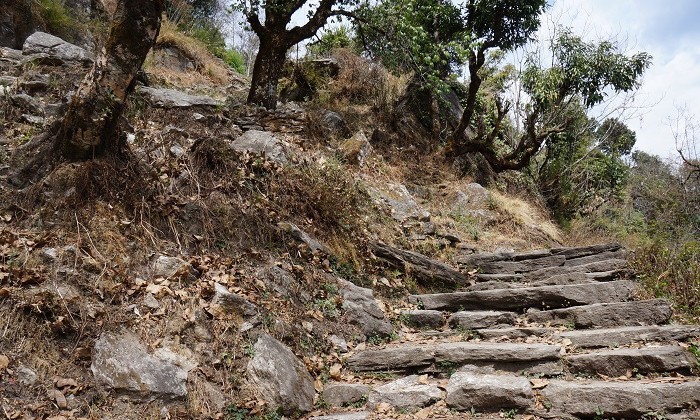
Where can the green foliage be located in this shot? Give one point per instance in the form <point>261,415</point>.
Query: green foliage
<point>234,59</point>
<point>57,19</point>
<point>584,69</point>
<point>332,39</point>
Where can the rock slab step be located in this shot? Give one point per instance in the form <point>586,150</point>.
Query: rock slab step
<point>628,400</point>
<point>528,297</point>
<point>410,393</point>
<point>622,336</point>
<point>621,314</point>
<point>645,360</point>
<point>473,320</point>
<point>485,392</point>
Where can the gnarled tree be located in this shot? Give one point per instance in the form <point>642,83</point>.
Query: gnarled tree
<point>276,39</point>
<point>90,126</point>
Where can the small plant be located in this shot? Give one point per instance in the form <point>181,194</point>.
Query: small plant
<point>359,403</point>
<point>249,350</point>
<point>509,414</point>
<point>447,367</point>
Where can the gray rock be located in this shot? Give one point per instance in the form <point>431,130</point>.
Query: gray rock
<point>617,362</point>
<point>483,392</point>
<point>280,378</point>
<point>226,304</point>
<point>283,282</point>
<point>33,119</point>
<point>620,254</point>
<point>46,46</point>
<point>473,320</point>
<point>304,237</point>
<point>356,149</point>
<point>339,343</point>
<point>423,318</point>
<point>27,103</point>
<point>8,81</point>
<point>341,394</point>
<point>414,356</point>
<point>515,333</point>
<point>584,251</point>
<point>169,98</point>
<point>529,297</point>
<point>362,310</point>
<point>474,201</point>
<point>621,314</point>
<point>622,336</point>
<point>26,376</point>
<point>10,54</point>
<point>261,142</point>
<point>524,266</point>
<point>122,362</point>
<point>626,399</point>
<point>564,279</point>
<point>401,204</point>
<point>405,394</point>
<point>150,301</point>
<point>358,415</point>
<point>172,58</point>
<point>168,267</point>
<point>335,124</point>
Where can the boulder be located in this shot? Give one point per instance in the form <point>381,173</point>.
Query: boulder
<point>401,204</point>
<point>341,394</point>
<point>49,49</point>
<point>303,237</point>
<point>27,103</point>
<point>335,124</point>
<point>122,362</point>
<point>363,311</point>
<point>170,98</point>
<point>410,393</point>
<point>261,142</point>
<point>227,305</point>
<point>280,378</point>
<point>485,392</point>
<point>168,267</point>
<point>474,201</point>
<point>419,318</point>
<point>356,149</point>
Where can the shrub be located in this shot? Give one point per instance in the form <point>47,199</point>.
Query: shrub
<point>56,19</point>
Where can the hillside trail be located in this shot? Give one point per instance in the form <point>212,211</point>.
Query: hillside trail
<point>554,333</point>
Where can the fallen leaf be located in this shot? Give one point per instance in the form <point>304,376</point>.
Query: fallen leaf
<point>4,362</point>
<point>60,398</point>
<point>423,413</point>
<point>383,407</point>
<point>64,382</point>
<point>318,385</point>
<point>423,379</point>
<point>538,383</point>
<point>335,371</point>
<point>4,292</point>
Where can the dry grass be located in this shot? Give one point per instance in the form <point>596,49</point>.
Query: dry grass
<point>208,67</point>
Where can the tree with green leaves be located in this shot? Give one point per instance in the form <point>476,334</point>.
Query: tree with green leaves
<point>581,72</point>
<point>270,20</point>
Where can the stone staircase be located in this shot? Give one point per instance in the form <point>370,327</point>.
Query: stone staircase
<point>550,334</point>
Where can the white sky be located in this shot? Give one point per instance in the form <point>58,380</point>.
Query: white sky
<point>667,29</point>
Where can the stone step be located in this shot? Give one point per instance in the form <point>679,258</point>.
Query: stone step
<point>515,333</point>
<point>411,357</point>
<point>584,251</point>
<point>605,266</point>
<point>518,267</point>
<point>622,336</point>
<point>618,362</point>
<point>476,260</point>
<point>473,320</point>
<point>488,392</point>
<point>620,254</point>
<point>528,297</point>
<point>602,315</point>
<point>626,399</point>
<point>419,318</point>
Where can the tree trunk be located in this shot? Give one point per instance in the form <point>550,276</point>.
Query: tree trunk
<point>266,72</point>
<point>90,126</point>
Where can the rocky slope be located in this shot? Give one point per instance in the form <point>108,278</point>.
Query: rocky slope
<point>253,263</point>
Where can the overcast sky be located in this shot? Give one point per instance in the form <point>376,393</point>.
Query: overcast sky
<point>667,29</point>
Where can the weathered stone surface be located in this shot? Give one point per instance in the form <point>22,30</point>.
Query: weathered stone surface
<point>629,400</point>
<point>358,415</point>
<point>339,394</point>
<point>172,58</point>
<point>473,320</point>
<point>489,393</point>
<point>423,318</point>
<point>356,149</point>
<point>403,357</point>
<point>261,142</point>
<point>335,124</point>
<point>584,251</point>
<point>167,267</point>
<point>477,259</point>
<point>401,204</point>
<point>362,310</point>
<point>645,360</point>
<point>300,235</point>
<point>280,377</point>
<point>54,48</point>
<point>611,264</point>
<point>27,103</point>
<point>529,297</point>
<point>473,200</point>
<point>613,337</point>
<point>169,98</point>
<point>408,393</point>
<point>524,266</point>
<point>597,258</point>
<point>515,333</point>
<point>414,356</point>
<point>230,305</point>
<point>121,361</point>
<point>422,268</point>
<point>620,314</point>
